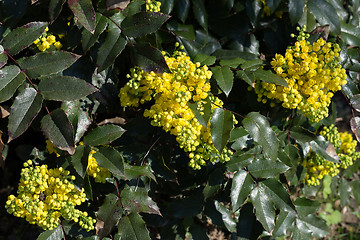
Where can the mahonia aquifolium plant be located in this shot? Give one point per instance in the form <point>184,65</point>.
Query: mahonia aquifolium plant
<point>45,195</point>
<point>344,145</point>
<point>312,72</point>
<point>153,6</point>
<point>187,82</point>
<point>46,40</point>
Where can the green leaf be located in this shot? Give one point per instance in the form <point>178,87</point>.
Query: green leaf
<point>10,80</point>
<point>325,13</point>
<point>316,225</point>
<point>301,134</point>
<point>204,59</point>
<point>306,206</point>
<point>84,13</point>
<point>138,201</point>
<point>320,146</point>
<point>355,186</point>
<point>264,207</point>
<point>80,159</point>
<point>132,227</point>
<point>224,78</point>
<point>278,194</point>
<point>109,212</point>
<point>238,162</point>
<point>247,76</point>
<point>110,159</point>
<point>214,183</point>
<point>182,9</point>
<point>182,30</point>
<point>25,108</point>
<point>266,168</point>
<point>350,34</point>
<point>344,192</point>
<point>47,63</point>
<point>3,57</point>
<point>200,13</point>
<point>133,172</point>
<point>149,59</point>
<point>269,77</point>
<point>237,133</point>
<point>296,10</point>
<point>103,135</point>
<point>220,128</point>
<point>289,155</point>
<point>22,37</point>
<point>227,217</point>
<point>89,39</point>
<point>202,118</point>
<point>355,127</point>
<point>167,6</point>
<point>55,7</point>
<point>252,65</point>
<point>65,88</point>
<point>78,117</point>
<point>259,129</point>
<point>143,23</point>
<point>233,62</point>
<point>283,223</point>
<point>54,234</point>
<point>355,102</point>
<point>113,45</point>
<point>58,129</point>
<point>242,184</point>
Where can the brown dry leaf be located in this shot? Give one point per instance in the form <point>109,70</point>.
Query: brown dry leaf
<point>115,120</point>
<point>323,31</point>
<point>330,150</point>
<point>2,160</point>
<point>99,226</point>
<point>114,4</point>
<point>34,1</point>
<point>3,112</point>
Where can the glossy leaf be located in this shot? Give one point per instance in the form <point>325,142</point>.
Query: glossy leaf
<point>296,10</point>
<point>22,37</point>
<point>80,159</point>
<point>316,225</point>
<point>355,127</point>
<point>182,30</point>
<point>306,206</point>
<point>132,172</point>
<point>182,9</point>
<point>10,80</point>
<point>3,57</point>
<point>350,34</point>
<point>25,108</point>
<point>325,13</point>
<point>234,62</point>
<point>65,88</point>
<point>278,194</point>
<point>167,6</point>
<point>238,162</point>
<point>220,128</point>
<point>320,146</point>
<point>224,78</point>
<point>247,76</point>
<point>110,159</point>
<point>55,7</point>
<point>200,13</point>
<point>149,59</point>
<point>252,65</point>
<point>344,192</point>
<point>205,117</point>
<point>103,135</point>
<point>283,223</point>
<point>109,213</point>
<point>58,129</point>
<point>205,59</point>
<point>54,234</point>
<point>301,134</point>
<point>264,207</point>
<point>227,217</point>
<point>236,133</point>
<point>88,39</point>
<point>269,77</point>
<point>266,168</point>
<point>355,102</point>
<point>138,201</point>
<point>143,23</point>
<point>84,13</point>
<point>47,63</point>
<point>242,184</point>
<point>259,129</point>
<point>133,227</point>
<point>113,45</point>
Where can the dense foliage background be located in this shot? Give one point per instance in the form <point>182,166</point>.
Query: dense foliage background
<point>68,93</point>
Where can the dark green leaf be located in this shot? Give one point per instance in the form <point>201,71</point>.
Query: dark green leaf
<point>103,135</point>
<point>350,34</point>
<point>283,223</point>
<point>236,133</point>
<point>296,10</point>
<point>224,78</point>
<point>242,184</point>
<point>259,129</point>
<point>205,59</point>
<point>200,13</point>
<point>109,212</point>
<point>22,37</point>
<point>316,225</point>
<point>80,159</point>
<point>186,31</point>
<point>320,146</point>
<point>278,194</point>
<point>3,57</point>
<point>355,102</point>
<point>167,6</point>
<point>269,77</point>
<point>252,65</point>
<point>113,45</point>
<point>247,76</point>
<point>344,192</point>
<point>182,9</point>
<point>84,13</point>
<point>65,88</point>
<point>220,128</point>
<point>202,118</point>
<point>138,201</point>
<point>58,129</point>
<point>110,159</point>
<point>301,134</point>
<point>264,207</point>
<point>266,168</point>
<point>325,13</point>
<point>238,162</point>
<point>150,59</point>
<point>234,62</point>
<point>214,183</point>
<point>54,234</point>
<point>355,127</point>
<point>47,63</point>
<point>355,186</point>
<point>89,39</point>
<point>289,155</point>
<point>143,23</point>
<point>186,206</point>
<point>226,214</point>
<point>10,80</point>
<point>55,7</point>
<point>25,108</point>
<point>132,227</point>
<point>133,172</point>
<point>306,206</point>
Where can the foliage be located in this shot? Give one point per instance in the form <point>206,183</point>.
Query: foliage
<point>172,116</point>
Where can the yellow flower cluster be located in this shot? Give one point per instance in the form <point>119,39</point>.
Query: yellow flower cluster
<point>312,72</point>
<point>153,6</point>
<point>46,40</point>
<point>45,195</point>
<point>187,82</point>
<point>318,167</point>
<point>93,169</point>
